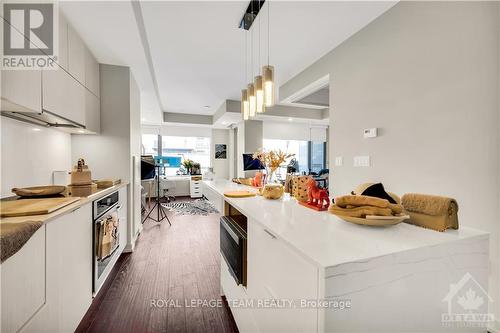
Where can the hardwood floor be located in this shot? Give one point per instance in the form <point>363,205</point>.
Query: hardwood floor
<point>170,264</point>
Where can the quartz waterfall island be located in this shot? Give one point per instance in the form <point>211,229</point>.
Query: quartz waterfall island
<point>308,271</point>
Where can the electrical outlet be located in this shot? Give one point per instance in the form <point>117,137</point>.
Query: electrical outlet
<point>339,161</point>
<point>361,161</point>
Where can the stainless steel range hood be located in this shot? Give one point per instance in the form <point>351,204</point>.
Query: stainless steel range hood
<point>44,118</point>
<point>41,118</point>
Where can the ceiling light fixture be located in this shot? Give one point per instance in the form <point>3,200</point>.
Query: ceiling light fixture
<point>268,71</point>
<point>259,87</point>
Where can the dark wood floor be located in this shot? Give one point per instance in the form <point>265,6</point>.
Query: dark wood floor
<point>178,262</point>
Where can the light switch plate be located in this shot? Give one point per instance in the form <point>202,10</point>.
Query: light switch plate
<point>361,161</point>
<point>339,161</point>
<point>370,133</point>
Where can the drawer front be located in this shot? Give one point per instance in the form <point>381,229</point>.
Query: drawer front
<point>278,272</point>
<point>243,316</point>
<point>23,283</point>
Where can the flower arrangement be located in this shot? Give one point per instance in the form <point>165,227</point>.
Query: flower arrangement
<point>271,160</point>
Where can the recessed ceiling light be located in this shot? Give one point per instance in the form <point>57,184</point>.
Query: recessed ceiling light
<point>36,129</point>
<point>206,106</point>
<point>290,119</point>
<point>224,123</point>
<point>81,131</point>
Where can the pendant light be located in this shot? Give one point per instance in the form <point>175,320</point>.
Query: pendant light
<point>259,86</point>
<point>268,71</point>
<point>245,110</point>
<point>252,99</point>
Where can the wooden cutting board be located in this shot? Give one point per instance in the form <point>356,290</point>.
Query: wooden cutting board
<point>239,194</point>
<point>26,207</point>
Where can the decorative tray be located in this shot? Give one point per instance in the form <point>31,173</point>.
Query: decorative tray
<point>39,191</point>
<point>375,220</point>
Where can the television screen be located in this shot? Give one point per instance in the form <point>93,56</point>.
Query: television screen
<point>249,163</point>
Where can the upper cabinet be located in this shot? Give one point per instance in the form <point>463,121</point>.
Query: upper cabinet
<point>91,73</point>
<point>63,95</point>
<point>22,90</point>
<point>76,55</point>
<point>70,92</point>
<point>62,58</point>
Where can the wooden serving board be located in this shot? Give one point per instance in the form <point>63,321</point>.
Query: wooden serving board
<point>27,207</point>
<point>239,194</point>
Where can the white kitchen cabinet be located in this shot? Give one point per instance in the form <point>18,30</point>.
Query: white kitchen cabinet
<point>92,112</point>
<point>21,90</point>
<point>91,72</point>
<point>195,188</point>
<point>76,55</point>
<point>278,272</point>
<point>23,283</point>
<point>62,58</point>
<point>122,215</point>
<point>63,95</point>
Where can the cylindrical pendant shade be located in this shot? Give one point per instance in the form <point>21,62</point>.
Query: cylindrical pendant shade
<point>244,104</point>
<point>252,100</point>
<point>259,95</point>
<point>269,85</point>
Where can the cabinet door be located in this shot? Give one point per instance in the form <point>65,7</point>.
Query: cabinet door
<point>63,95</point>
<point>22,90</point>
<point>69,267</point>
<point>277,272</point>
<point>91,73</point>
<point>122,215</point>
<point>76,55</point>
<point>92,112</point>
<point>62,58</point>
<point>23,283</point>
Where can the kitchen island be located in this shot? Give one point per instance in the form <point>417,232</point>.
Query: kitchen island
<point>393,279</point>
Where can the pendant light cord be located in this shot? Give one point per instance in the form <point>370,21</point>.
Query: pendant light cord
<point>268,33</point>
<point>260,21</point>
<point>251,47</point>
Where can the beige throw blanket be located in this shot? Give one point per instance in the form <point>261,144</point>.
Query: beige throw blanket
<point>431,211</point>
<point>13,236</point>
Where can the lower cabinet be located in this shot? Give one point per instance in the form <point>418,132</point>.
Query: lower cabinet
<point>23,283</point>
<point>68,273</point>
<point>277,272</point>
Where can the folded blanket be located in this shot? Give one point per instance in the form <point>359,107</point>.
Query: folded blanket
<point>361,200</point>
<point>431,211</point>
<point>14,235</point>
<point>360,211</point>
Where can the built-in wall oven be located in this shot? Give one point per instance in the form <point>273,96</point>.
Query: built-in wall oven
<point>233,246</point>
<point>106,237</point>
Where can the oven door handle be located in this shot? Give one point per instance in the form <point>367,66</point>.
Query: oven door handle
<point>230,231</point>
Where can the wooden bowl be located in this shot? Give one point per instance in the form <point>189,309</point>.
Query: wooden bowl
<point>374,220</point>
<point>39,191</point>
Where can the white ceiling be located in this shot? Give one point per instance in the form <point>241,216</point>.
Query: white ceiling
<point>197,51</point>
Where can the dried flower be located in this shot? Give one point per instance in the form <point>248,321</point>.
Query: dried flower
<point>271,159</point>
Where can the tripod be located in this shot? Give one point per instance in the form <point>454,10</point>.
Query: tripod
<point>160,210</point>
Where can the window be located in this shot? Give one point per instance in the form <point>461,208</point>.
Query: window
<point>150,144</point>
<point>296,147</point>
<point>318,157</point>
<point>173,150</point>
<point>310,155</point>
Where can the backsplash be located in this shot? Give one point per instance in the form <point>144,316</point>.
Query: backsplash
<point>30,154</point>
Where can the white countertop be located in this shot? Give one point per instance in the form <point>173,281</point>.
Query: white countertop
<point>326,239</point>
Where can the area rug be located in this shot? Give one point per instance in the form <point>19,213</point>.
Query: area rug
<point>196,207</point>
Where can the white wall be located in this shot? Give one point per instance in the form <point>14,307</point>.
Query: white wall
<point>29,156</point>
<point>177,130</point>
<point>293,131</point>
<point>426,74</point>
<point>221,166</point>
